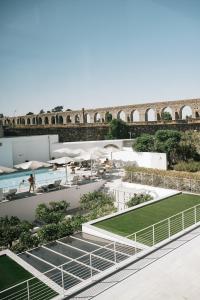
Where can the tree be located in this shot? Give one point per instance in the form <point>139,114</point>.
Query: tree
<point>118,129</point>
<point>30,113</point>
<point>166,116</point>
<point>57,109</point>
<point>41,111</point>
<point>144,143</point>
<point>1,115</point>
<point>167,141</point>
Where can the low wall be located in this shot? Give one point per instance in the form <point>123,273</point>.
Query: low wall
<point>142,159</point>
<point>25,208</point>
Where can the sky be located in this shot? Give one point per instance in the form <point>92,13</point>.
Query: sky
<point>96,53</point>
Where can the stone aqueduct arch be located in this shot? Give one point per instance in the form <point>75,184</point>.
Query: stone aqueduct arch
<point>179,110</point>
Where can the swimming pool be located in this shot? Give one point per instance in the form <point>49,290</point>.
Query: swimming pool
<point>42,176</point>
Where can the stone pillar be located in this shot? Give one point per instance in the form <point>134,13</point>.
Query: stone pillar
<point>142,114</point>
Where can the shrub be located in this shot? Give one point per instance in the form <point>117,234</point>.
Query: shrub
<point>191,166</point>
<point>48,232</point>
<point>94,200</point>
<point>52,213</point>
<point>138,199</point>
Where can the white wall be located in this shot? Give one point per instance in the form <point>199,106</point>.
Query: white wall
<point>142,159</point>
<point>6,153</point>
<point>16,150</point>
<point>25,208</point>
<point>86,145</point>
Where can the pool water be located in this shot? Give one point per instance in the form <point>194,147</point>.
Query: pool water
<point>42,176</point>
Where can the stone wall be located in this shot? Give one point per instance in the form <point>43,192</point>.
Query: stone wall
<point>89,132</point>
<point>66,134</point>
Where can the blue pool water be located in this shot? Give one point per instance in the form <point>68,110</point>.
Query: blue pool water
<point>42,176</point>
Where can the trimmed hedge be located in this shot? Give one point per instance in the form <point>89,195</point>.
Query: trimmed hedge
<point>173,174</point>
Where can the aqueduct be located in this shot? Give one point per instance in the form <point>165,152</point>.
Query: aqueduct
<point>147,112</point>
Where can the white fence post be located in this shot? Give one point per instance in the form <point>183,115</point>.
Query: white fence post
<point>28,290</point>
<point>169,230</point>
<point>90,265</point>
<point>183,221</point>
<point>115,256</point>
<point>153,235</point>
<point>195,215</point>
<point>63,283</point>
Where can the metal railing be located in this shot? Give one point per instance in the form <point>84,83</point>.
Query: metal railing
<point>31,289</point>
<point>75,271</point>
<point>167,228</point>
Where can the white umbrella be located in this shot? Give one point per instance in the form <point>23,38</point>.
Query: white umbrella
<point>110,148</point>
<point>69,152</point>
<point>63,161</point>
<point>32,165</point>
<point>6,170</point>
<point>93,154</point>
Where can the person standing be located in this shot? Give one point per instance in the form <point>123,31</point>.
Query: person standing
<point>31,182</point>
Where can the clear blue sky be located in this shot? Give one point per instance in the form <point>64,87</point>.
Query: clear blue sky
<point>94,53</point>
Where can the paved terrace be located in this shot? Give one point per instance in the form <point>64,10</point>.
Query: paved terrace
<point>170,273</point>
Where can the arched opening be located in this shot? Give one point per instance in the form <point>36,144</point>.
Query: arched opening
<point>97,118</point>
<point>1,122</point>
<point>60,120</point>
<point>77,119</point>
<point>68,119</point>
<point>121,115</point>
<point>53,120</point>
<point>23,121</point>
<point>40,121</point>
<point>33,121</point>
<point>166,114</point>
<point>28,121</point>
<point>13,121</point>
<point>185,112</point>
<point>46,120</point>
<point>18,121</point>
<point>150,115</point>
<point>108,117</point>
<point>197,114</point>
<point>135,116</point>
<point>87,118</point>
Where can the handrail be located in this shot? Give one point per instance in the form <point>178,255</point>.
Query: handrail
<point>181,212</point>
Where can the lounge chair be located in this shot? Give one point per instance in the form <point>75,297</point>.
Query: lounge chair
<point>10,194</point>
<point>54,186</point>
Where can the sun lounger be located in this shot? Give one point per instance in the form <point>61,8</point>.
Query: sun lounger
<point>54,186</point>
<point>10,194</point>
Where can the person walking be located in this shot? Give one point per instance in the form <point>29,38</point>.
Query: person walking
<point>31,182</point>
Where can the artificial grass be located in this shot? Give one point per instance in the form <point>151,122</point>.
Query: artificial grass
<point>11,274</point>
<point>143,217</point>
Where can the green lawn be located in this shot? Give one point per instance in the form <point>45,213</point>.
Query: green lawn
<point>138,219</point>
<point>11,274</point>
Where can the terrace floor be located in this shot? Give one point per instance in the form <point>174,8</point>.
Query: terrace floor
<point>169,273</point>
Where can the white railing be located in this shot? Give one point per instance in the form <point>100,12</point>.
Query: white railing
<point>31,289</point>
<point>167,228</point>
<point>75,271</point>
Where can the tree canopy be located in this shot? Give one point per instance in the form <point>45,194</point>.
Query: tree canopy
<point>118,129</point>
<point>57,108</point>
